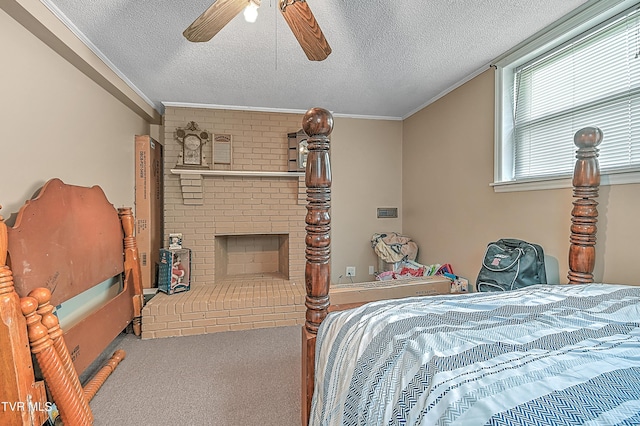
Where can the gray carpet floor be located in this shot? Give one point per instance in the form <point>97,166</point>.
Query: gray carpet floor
<point>239,378</point>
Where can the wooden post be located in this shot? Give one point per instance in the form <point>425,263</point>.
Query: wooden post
<point>132,267</point>
<point>317,124</point>
<point>101,376</point>
<point>18,387</point>
<point>62,391</point>
<point>49,320</point>
<point>584,215</point>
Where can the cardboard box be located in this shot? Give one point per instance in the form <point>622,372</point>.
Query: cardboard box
<point>149,206</point>
<point>358,293</point>
<point>174,273</point>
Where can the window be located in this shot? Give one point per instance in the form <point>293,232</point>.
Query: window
<point>589,75</point>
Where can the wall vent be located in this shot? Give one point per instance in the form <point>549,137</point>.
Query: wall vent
<point>387,212</point>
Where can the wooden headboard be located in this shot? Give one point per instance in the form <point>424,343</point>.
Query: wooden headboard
<point>318,124</point>
<point>63,224</point>
<point>68,239</point>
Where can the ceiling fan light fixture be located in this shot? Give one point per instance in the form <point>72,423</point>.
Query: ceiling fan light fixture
<point>299,17</point>
<point>251,11</point>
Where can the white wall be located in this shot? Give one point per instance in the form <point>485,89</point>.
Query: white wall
<point>56,122</point>
<point>366,161</point>
<point>451,209</point>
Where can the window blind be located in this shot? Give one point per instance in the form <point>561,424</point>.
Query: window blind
<point>593,80</point>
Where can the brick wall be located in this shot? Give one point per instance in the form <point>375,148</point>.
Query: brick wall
<point>235,204</point>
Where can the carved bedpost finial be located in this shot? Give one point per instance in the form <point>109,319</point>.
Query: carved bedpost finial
<point>317,124</point>
<point>584,216</point>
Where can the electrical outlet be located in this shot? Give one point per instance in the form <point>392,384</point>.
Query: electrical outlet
<point>351,271</point>
<point>371,270</point>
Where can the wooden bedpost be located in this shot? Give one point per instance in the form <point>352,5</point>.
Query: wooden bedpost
<point>132,267</point>
<point>69,403</point>
<point>584,216</point>
<point>317,124</point>
<point>103,374</point>
<point>50,321</point>
<point>18,387</point>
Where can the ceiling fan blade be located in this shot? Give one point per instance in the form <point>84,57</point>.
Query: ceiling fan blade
<point>212,20</point>
<point>305,28</point>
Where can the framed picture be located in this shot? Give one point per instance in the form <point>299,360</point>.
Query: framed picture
<point>175,241</point>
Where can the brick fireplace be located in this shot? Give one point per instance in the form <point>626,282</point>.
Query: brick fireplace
<point>253,254</point>
<point>243,221</point>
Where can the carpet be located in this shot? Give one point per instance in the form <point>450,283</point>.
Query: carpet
<point>234,378</point>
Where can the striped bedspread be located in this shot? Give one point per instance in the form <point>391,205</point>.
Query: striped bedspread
<point>542,355</point>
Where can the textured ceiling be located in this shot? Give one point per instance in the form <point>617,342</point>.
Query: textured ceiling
<point>389,59</point>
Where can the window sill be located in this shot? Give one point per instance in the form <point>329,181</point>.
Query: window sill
<point>620,178</point>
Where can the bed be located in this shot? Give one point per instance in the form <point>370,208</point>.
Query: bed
<point>66,241</point>
<point>545,354</point>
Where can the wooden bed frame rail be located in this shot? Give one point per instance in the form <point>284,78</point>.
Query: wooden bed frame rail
<point>318,124</point>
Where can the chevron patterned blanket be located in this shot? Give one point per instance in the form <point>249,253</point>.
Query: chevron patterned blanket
<point>542,355</point>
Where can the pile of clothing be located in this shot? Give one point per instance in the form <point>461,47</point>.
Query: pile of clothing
<point>409,269</point>
<point>392,247</point>
<point>401,251</point>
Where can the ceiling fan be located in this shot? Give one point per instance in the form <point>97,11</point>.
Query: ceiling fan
<point>296,12</point>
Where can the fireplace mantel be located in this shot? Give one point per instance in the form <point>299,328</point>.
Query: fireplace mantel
<point>250,173</point>
<point>191,181</point>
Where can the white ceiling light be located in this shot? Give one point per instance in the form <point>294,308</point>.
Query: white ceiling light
<point>251,11</point>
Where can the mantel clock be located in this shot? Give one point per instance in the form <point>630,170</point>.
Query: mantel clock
<point>193,141</point>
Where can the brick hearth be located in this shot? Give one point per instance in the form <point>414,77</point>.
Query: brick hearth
<point>236,303</point>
